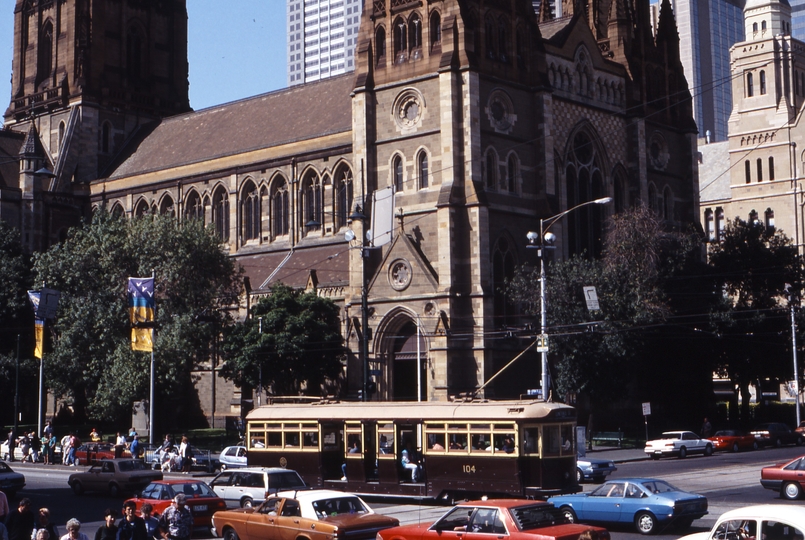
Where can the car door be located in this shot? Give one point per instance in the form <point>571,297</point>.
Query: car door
<point>794,472</point>
<point>262,524</point>
<point>452,526</point>
<point>632,502</point>
<point>606,505</point>
<point>290,522</point>
<point>220,484</point>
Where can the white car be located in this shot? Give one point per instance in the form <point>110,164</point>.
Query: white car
<point>251,486</point>
<point>678,443</point>
<point>233,457</point>
<point>767,521</point>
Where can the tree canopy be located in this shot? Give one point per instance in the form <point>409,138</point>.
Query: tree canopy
<point>299,351</point>
<point>92,363</point>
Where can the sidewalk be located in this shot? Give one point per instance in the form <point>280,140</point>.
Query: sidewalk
<point>618,455</point>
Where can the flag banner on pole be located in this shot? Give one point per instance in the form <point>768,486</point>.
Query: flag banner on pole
<point>39,333</point>
<point>141,311</point>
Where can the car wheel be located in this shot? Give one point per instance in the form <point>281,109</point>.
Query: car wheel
<point>735,447</point>
<point>246,502</point>
<point>77,462</point>
<point>114,490</point>
<point>579,476</point>
<point>78,489</point>
<point>683,453</point>
<point>230,534</point>
<point>645,522</point>
<point>569,514</point>
<point>791,491</point>
<point>708,450</point>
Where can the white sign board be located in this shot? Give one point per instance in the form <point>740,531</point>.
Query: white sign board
<point>382,217</point>
<point>647,409</point>
<point>591,297</point>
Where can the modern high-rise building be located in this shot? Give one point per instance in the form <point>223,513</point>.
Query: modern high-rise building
<point>707,30</point>
<point>321,38</point>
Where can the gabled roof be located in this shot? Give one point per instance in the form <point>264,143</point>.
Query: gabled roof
<point>293,268</point>
<point>294,114</point>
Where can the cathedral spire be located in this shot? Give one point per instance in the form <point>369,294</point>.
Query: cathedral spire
<point>667,33</point>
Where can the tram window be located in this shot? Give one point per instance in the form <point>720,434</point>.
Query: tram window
<point>354,443</point>
<point>481,442</point>
<point>258,440</point>
<point>531,441</point>
<point>385,438</point>
<point>504,442</point>
<point>310,439</point>
<point>332,437</point>
<point>551,441</point>
<point>292,440</point>
<point>458,442</point>
<point>274,439</point>
<point>567,440</point>
<point>436,442</point>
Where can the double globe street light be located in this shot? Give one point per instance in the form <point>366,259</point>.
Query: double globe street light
<point>542,241</point>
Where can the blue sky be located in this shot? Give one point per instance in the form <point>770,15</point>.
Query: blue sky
<point>236,49</point>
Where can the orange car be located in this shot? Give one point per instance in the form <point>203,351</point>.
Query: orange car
<point>734,440</point>
<point>514,519</point>
<point>93,453</point>
<point>201,499</point>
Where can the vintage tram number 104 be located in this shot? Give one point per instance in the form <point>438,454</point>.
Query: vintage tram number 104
<point>468,469</point>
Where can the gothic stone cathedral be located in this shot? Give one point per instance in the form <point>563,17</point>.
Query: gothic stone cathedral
<point>465,122</point>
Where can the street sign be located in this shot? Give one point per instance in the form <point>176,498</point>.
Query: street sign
<point>591,297</point>
<point>542,343</point>
<point>647,409</point>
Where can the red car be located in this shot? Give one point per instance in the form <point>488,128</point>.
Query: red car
<point>787,478</point>
<point>516,519</point>
<point>93,453</point>
<point>734,440</point>
<point>201,499</point>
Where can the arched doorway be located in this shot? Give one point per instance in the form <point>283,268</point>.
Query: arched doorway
<point>404,362</point>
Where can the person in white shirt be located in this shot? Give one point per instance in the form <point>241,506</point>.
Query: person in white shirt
<point>74,531</point>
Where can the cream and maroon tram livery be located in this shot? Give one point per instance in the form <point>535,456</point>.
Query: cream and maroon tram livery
<point>448,450</point>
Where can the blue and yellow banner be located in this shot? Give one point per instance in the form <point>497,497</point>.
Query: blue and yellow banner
<point>39,325</point>
<point>142,305</point>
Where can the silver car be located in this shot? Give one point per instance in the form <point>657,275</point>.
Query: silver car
<point>252,485</point>
<point>232,457</point>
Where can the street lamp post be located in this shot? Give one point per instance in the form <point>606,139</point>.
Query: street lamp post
<point>546,237</point>
<point>357,215</point>
<point>792,305</point>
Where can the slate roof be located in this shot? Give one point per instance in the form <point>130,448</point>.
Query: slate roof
<point>293,114</point>
<point>330,263</point>
<point>10,144</point>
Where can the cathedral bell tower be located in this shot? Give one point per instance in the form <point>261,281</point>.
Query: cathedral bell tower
<point>88,73</point>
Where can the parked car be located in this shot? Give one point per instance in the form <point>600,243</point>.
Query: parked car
<point>92,453</point>
<point>513,519</point>
<point>734,440</point>
<point>647,502</point>
<point>253,485</point>
<point>7,455</point>
<point>776,434</point>
<point>786,478</point>
<point>10,482</point>
<point>124,475</point>
<point>201,499</point>
<point>595,470</point>
<point>770,521</point>
<point>678,443</point>
<point>313,515</point>
<point>233,457</point>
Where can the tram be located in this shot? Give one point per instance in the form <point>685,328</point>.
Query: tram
<point>460,449</point>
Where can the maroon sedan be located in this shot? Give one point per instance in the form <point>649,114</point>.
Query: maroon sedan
<point>787,478</point>
<point>517,519</point>
<point>734,440</point>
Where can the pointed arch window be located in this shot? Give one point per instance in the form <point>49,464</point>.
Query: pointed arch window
<point>311,189</point>
<point>279,208</point>
<point>491,169</point>
<point>142,208</point>
<point>512,170</point>
<point>134,54</point>
<point>62,127</point>
<point>422,162</point>
<point>750,85</point>
<point>759,170</point>
<point>435,29</point>
<point>166,207</point>
<point>503,264</point>
<point>503,40</point>
<point>771,168</point>
<point>117,210</point>
<point>763,25</point>
<point>768,216</point>
<point>719,223</point>
<point>220,214</point>
<point>519,47</point>
<point>584,180</point>
<point>762,82</point>
<point>45,64</point>
<point>748,171</point>
<point>193,209</point>
<point>753,219</point>
<point>400,40</point>
<point>414,32</point>
<point>709,225</point>
<point>489,27</point>
<point>343,187</point>
<point>754,28</point>
<point>397,171</point>
<point>380,43</point>
<point>250,212</point>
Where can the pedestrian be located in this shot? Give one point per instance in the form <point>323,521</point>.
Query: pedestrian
<point>74,531</point>
<point>12,443</point>
<point>48,430</point>
<point>409,461</point>
<point>107,531</point>
<point>25,447</point>
<point>132,526</point>
<point>94,436</point>
<point>41,534</point>
<point>65,445</point>
<point>186,453</point>
<point>4,508</point>
<point>36,446</point>
<point>51,449</point>
<point>72,446</point>
<point>176,521</point>
<point>120,445</point>
<point>44,523</point>
<point>135,447</point>
<point>706,428</point>
<point>151,523</point>
<point>20,522</point>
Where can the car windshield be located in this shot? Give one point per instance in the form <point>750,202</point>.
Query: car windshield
<point>658,486</point>
<point>339,505</point>
<point>133,465</point>
<point>191,489</point>
<point>4,467</point>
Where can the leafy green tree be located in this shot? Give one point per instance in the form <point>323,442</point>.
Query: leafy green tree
<point>92,363</point>
<point>752,264</point>
<point>300,350</point>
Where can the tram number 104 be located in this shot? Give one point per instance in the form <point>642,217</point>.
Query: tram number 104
<point>468,469</point>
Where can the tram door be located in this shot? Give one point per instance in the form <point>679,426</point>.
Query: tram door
<point>529,460</point>
<point>386,456</point>
<point>332,450</point>
<point>370,451</point>
<point>355,453</point>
